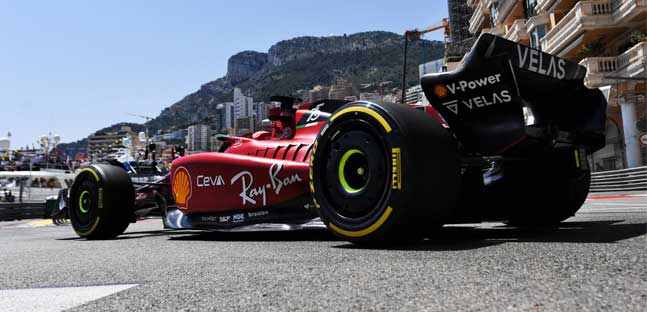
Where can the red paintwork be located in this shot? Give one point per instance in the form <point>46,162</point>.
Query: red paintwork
<point>244,171</point>
<point>277,165</point>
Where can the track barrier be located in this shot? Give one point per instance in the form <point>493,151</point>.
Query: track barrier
<point>633,179</point>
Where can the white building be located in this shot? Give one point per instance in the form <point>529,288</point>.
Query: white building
<point>244,105</point>
<point>416,95</point>
<point>437,66</point>
<point>197,138</point>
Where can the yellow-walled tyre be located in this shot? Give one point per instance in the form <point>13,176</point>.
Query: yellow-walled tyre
<point>101,202</point>
<point>382,173</point>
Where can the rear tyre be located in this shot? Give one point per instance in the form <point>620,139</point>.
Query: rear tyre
<point>545,195</point>
<point>101,202</point>
<point>382,173</point>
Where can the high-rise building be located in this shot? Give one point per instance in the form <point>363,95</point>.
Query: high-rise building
<point>225,117</point>
<point>261,111</point>
<point>246,124</point>
<point>243,104</point>
<point>460,38</point>
<point>608,37</point>
<point>197,139</point>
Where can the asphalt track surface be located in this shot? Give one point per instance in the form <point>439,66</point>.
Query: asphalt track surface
<point>596,261</point>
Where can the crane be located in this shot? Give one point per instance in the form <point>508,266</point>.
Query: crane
<point>414,35</point>
<point>142,116</point>
<point>147,120</point>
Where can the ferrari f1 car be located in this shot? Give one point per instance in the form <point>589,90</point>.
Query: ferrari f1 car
<point>506,138</point>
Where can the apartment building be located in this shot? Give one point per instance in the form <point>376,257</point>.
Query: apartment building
<point>198,138</point>
<point>608,37</point>
<point>102,144</point>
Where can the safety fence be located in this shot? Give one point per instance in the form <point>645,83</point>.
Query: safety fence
<point>634,179</point>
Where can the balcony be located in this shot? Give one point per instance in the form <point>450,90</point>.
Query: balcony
<point>503,10</point>
<point>480,18</point>
<point>517,31</point>
<point>602,71</point>
<point>543,5</point>
<point>591,15</point>
<point>536,21</point>
<point>498,30</point>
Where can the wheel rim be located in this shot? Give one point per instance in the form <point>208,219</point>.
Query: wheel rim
<point>356,172</point>
<point>84,202</point>
<point>85,211</point>
<point>353,171</point>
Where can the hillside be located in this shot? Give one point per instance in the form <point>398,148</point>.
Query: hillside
<point>298,64</point>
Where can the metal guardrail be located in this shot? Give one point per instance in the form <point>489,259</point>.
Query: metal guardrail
<point>633,179</point>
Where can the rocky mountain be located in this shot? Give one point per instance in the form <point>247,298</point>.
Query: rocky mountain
<point>300,64</point>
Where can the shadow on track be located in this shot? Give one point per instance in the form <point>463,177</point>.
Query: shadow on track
<point>283,236</point>
<point>448,238</point>
<point>468,237</point>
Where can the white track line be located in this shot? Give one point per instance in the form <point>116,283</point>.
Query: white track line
<point>54,299</point>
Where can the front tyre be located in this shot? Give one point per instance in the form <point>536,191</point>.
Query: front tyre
<point>101,202</point>
<point>383,172</point>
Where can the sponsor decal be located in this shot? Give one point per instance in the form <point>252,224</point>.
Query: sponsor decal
<point>396,164</point>
<point>207,181</point>
<point>541,63</point>
<point>315,113</point>
<point>251,193</point>
<point>480,101</point>
<point>257,214</point>
<point>239,217</point>
<point>440,91</point>
<point>100,203</point>
<point>182,187</point>
<point>224,219</point>
<point>452,106</point>
<point>465,85</point>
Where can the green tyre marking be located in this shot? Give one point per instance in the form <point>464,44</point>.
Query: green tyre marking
<point>81,206</point>
<point>342,166</point>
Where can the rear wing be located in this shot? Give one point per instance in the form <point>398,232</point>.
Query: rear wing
<point>484,100</point>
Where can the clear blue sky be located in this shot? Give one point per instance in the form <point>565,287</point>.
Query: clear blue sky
<point>73,67</point>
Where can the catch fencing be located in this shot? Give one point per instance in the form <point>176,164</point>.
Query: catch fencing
<point>634,179</point>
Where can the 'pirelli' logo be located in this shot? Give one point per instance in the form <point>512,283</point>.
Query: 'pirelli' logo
<point>100,201</point>
<point>396,165</point>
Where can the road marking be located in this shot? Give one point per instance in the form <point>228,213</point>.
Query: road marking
<point>616,204</point>
<point>54,299</point>
<point>602,197</point>
<point>41,222</point>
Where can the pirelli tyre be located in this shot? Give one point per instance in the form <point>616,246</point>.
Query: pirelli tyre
<point>101,202</point>
<point>547,192</point>
<point>382,173</point>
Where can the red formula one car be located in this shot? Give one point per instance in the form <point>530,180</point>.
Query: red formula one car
<point>505,138</point>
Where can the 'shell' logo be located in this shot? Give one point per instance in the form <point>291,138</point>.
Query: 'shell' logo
<point>182,187</point>
<point>440,91</point>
